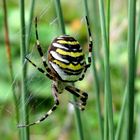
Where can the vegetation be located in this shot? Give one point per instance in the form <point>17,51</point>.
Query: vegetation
<point>113,81</point>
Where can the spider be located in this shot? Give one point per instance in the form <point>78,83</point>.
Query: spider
<point>65,64</point>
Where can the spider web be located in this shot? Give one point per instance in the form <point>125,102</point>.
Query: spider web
<point>43,89</point>
<point>38,84</point>
<point>32,73</point>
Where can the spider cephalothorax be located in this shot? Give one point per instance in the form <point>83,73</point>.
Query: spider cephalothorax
<point>65,64</point>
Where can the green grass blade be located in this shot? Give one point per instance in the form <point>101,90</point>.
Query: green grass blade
<point>60,16</point>
<point>24,132</point>
<point>131,66</point>
<point>86,8</point>
<point>62,27</point>
<point>107,71</point>
<point>97,88</point>
<point>122,113</point>
<point>79,122</point>
<point>106,125</point>
<point>108,22</point>
<point>124,103</point>
<point>32,5</point>
<point>137,39</point>
<point>9,57</point>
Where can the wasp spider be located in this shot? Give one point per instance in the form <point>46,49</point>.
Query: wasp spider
<point>65,65</point>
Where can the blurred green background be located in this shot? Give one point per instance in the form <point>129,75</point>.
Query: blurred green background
<point>61,125</point>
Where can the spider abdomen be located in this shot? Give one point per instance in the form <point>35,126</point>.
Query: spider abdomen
<point>66,58</point>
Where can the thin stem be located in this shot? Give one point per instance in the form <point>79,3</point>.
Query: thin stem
<point>86,8</point>
<point>32,5</point>
<point>62,27</point>
<point>79,121</point>
<point>137,40</point>
<point>108,42</point>
<point>131,63</point>
<point>9,57</point>
<point>124,103</point>
<point>107,71</point>
<point>23,107</point>
<point>108,22</point>
<point>60,16</point>
<point>97,89</point>
<point>106,131</point>
<point>122,112</point>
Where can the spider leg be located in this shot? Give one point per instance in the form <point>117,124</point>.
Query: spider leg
<point>39,47</point>
<point>90,42</point>
<point>89,49</point>
<point>83,96</point>
<point>83,75</point>
<point>41,70</point>
<point>56,103</point>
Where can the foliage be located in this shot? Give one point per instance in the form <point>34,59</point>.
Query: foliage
<point>61,125</point>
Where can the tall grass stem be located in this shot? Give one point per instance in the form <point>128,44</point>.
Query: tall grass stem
<point>9,58</point>
<point>62,27</point>
<point>106,125</point>
<point>60,16</point>
<point>29,27</point>
<point>122,113</point>
<point>108,93</point>
<point>79,121</point>
<point>124,103</point>
<point>24,132</point>
<point>131,66</point>
<point>97,88</point>
<point>137,40</point>
<point>108,22</point>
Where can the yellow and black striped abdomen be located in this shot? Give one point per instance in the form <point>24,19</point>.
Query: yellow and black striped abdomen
<point>66,58</point>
